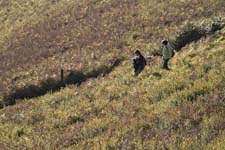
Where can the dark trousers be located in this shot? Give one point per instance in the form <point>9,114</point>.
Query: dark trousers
<point>165,64</point>
<point>137,71</point>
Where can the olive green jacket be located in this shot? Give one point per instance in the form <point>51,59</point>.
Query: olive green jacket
<point>167,51</point>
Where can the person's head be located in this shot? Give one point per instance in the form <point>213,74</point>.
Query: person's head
<point>137,52</point>
<point>164,42</point>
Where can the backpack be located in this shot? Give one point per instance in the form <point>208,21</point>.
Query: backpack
<point>173,53</point>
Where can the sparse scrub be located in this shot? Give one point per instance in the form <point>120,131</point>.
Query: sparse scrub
<point>182,108</point>
<point>67,37</point>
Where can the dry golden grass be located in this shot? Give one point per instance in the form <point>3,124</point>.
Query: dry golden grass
<point>178,109</point>
<point>85,35</point>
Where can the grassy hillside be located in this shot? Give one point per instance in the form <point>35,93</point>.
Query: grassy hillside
<point>183,108</point>
<point>18,13</point>
<point>178,109</point>
<point>85,35</point>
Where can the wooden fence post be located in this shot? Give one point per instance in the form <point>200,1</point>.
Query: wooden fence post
<point>62,76</point>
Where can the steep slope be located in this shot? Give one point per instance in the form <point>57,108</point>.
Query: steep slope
<point>183,108</point>
<point>85,35</point>
<point>17,13</point>
<point>178,109</point>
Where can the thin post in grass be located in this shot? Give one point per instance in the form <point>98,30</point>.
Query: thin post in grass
<point>62,75</point>
<point>62,71</point>
<point>62,64</point>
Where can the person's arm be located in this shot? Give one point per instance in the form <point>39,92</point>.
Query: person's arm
<point>172,51</point>
<point>135,62</point>
<point>145,63</point>
<point>163,51</point>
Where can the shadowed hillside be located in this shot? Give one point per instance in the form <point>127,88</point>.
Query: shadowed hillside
<point>102,105</point>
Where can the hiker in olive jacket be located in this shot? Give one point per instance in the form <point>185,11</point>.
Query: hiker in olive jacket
<point>168,52</point>
<point>139,62</point>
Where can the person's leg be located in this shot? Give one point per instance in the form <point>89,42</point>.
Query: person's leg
<point>165,63</point>
<point>137,71</point>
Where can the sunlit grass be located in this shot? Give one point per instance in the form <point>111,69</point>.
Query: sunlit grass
<point>182,108</point>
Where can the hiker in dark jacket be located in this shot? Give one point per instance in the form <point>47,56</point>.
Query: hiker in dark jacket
<point>139,62</point>
<point>168,53</point>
